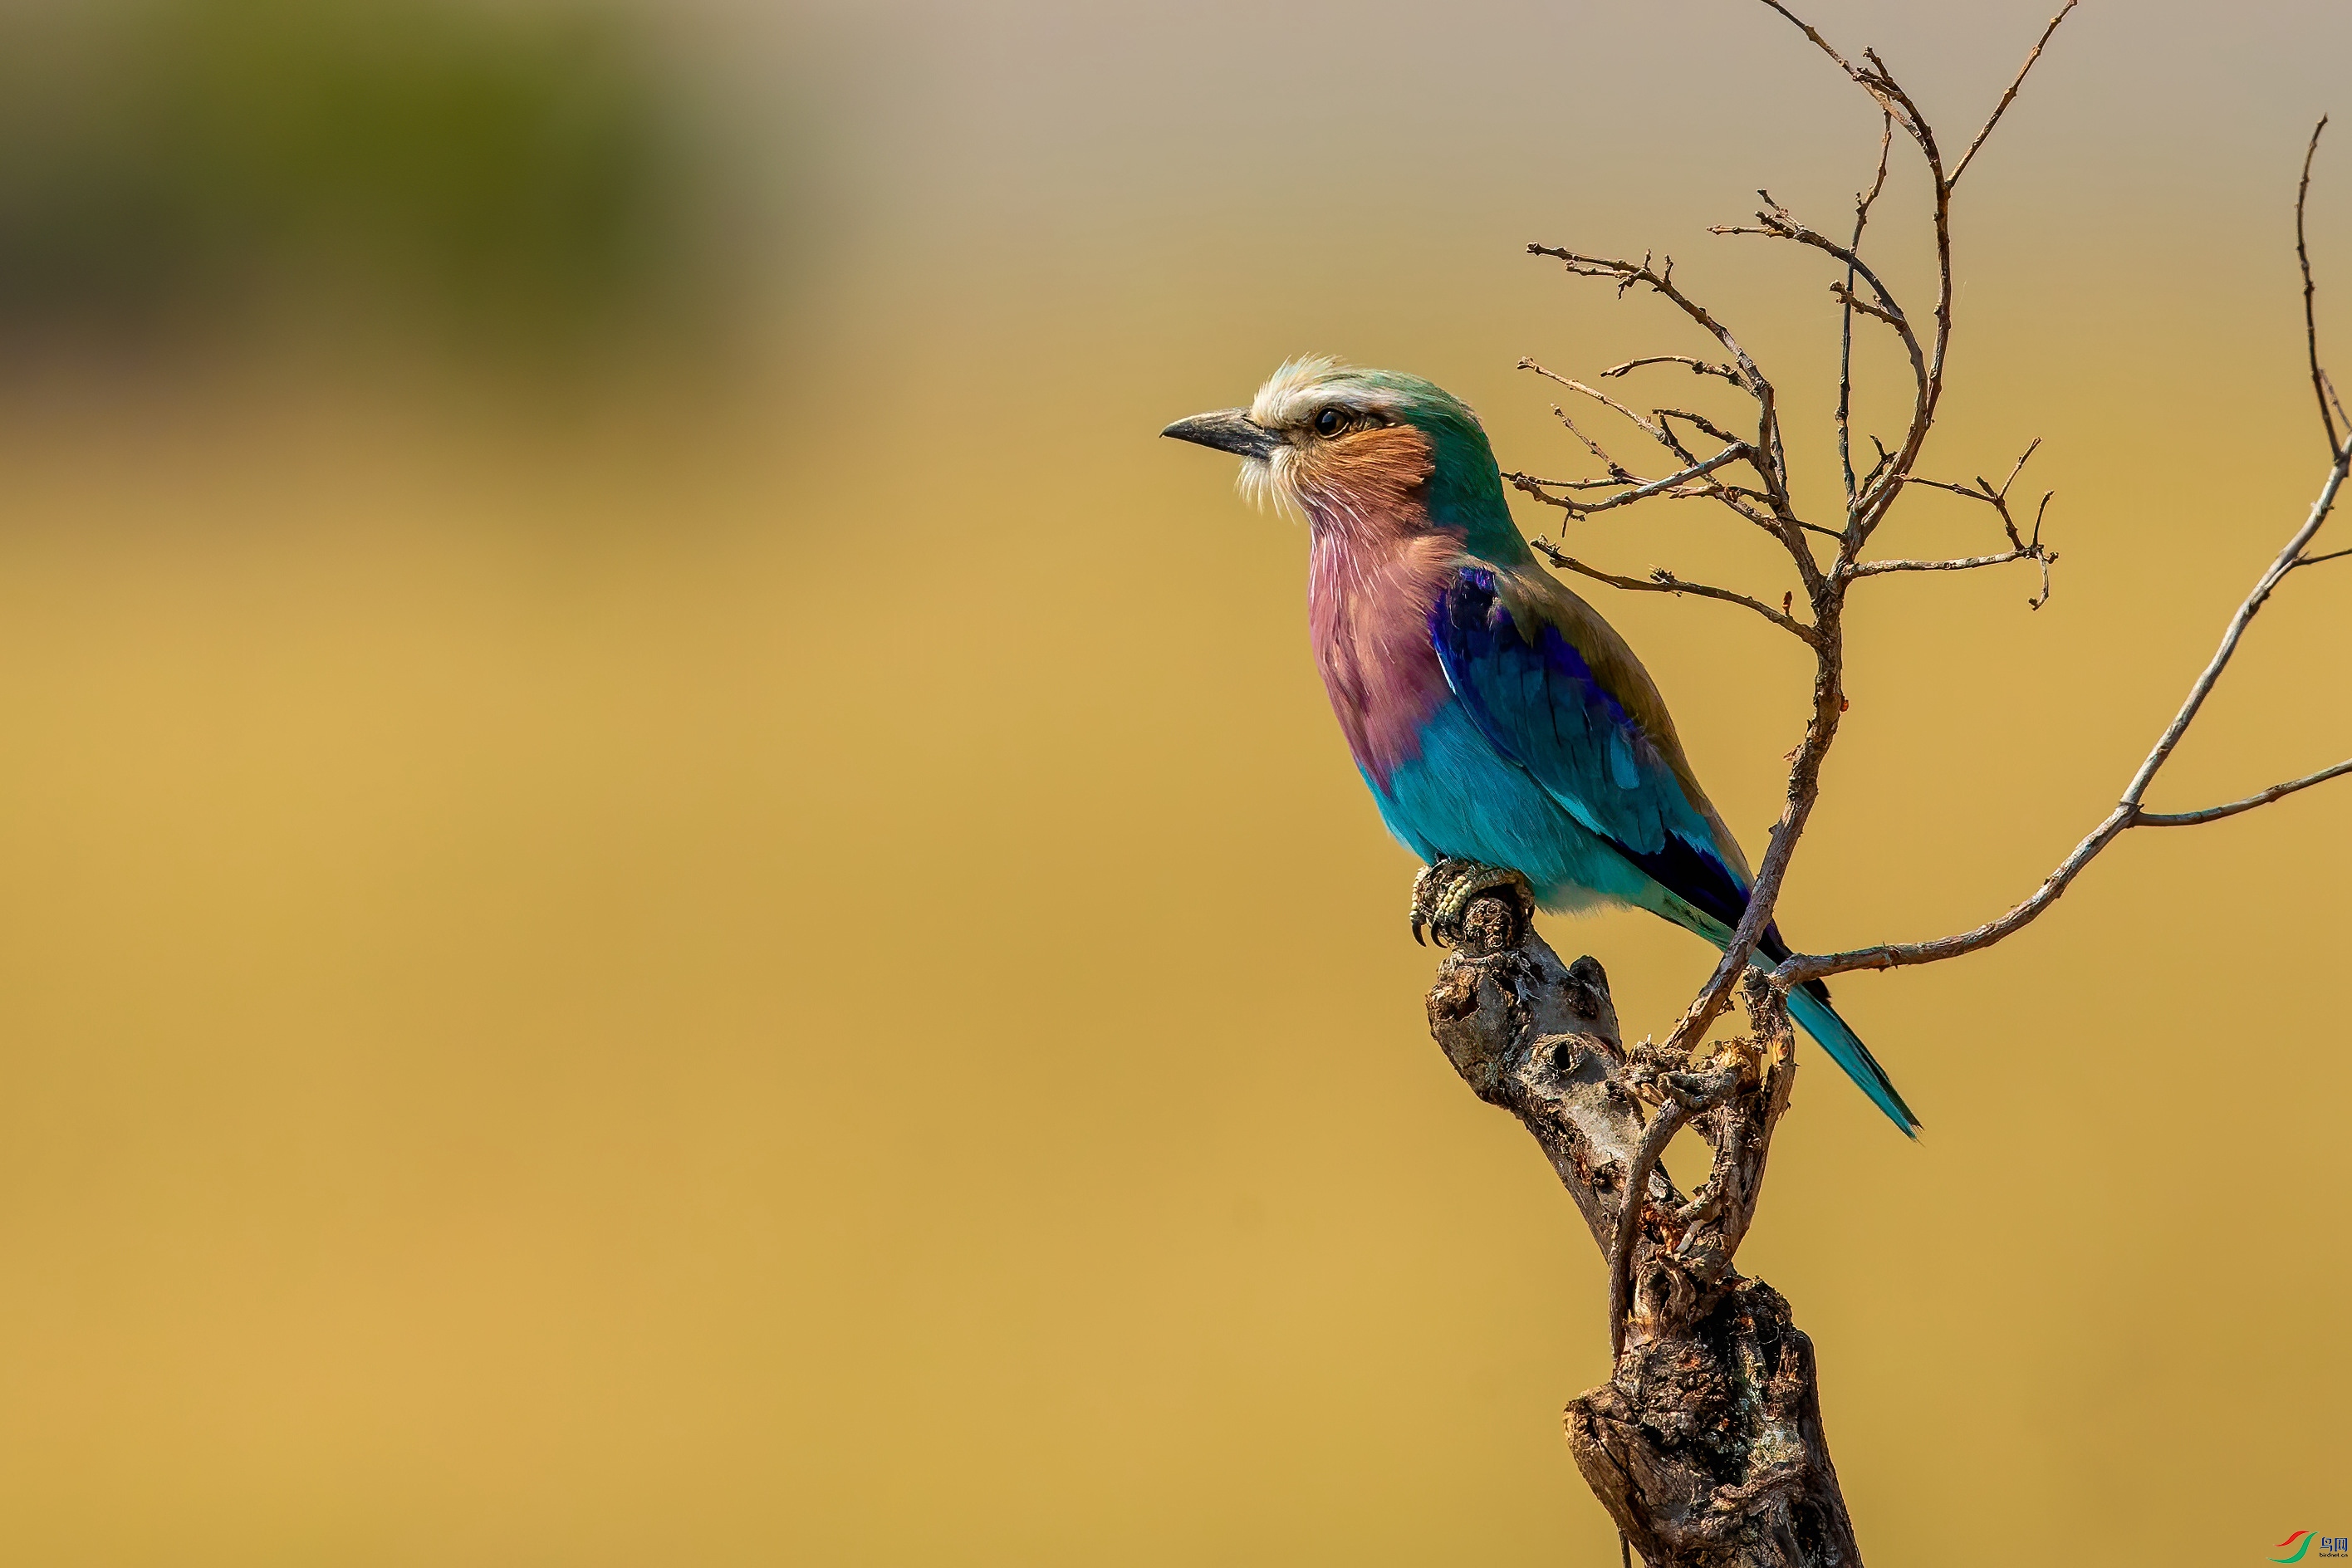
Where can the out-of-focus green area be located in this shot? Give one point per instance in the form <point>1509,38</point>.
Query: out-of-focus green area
<point>507,174</point>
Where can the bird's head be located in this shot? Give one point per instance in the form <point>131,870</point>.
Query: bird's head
<point>1365,449</point>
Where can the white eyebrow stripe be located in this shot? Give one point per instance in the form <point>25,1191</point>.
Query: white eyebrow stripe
<point>1292,395</point>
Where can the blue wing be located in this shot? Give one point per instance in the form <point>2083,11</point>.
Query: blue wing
<point>1537,698</point>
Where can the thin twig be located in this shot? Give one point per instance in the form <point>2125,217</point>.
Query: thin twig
<point>1654,430</point>
<point>2237,630</point>
<point>1961,563</point>
<point>2216,813</point>
<point>1530,480</point>
<point>1697,366</point>
<point>1617,471</point>
<point>1698,421</point>
<point>1863,201</point>
<point>1845,297</point>
<point>2002,107</point>
<point>2018,467</point>
<point>1662,581</point>
<point>2319,384</point>
<point>1824,45</point>
<point>2048,558</point>
<point>1732,453</point>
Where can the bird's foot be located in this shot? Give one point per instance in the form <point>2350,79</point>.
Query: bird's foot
<point>1442,893</point>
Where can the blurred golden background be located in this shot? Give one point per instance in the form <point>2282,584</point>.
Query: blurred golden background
<point>640,809</point>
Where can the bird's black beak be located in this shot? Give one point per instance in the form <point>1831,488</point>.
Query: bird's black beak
<point>1228,430</point>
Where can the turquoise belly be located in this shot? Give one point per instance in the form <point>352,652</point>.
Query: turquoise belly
<point>1460,797</point>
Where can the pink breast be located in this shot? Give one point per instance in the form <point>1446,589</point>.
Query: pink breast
<point>1368,611</point>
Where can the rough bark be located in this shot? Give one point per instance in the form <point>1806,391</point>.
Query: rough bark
<point>1705,1445</point>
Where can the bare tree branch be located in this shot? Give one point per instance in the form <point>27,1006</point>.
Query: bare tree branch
<point>2128,812</point>
<point>1847,298</point>
<point>1629,1218</point>
<point>1870,497</point>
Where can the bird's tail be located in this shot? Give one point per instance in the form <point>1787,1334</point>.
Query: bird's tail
<point>1809,1005</point>
<point>1845,1047</point>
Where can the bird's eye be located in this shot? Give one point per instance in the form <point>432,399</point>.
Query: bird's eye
<point>1331,421</point>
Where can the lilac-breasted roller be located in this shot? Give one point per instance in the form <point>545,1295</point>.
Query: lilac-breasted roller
<point>1497,718</point>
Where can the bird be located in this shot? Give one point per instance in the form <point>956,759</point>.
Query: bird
<point>1507,732</point>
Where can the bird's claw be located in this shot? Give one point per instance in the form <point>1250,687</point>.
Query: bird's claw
<point>1442,893</point>
<point>1420,910</point>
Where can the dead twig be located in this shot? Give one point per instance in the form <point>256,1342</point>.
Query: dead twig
<point>1697,367</point>
<point>1863,201</point>
<point>2011,96</point>
<point>1957,563</point>
<point>2319,385</point>
<point>1660,487</point>
<point>1662,581</point>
